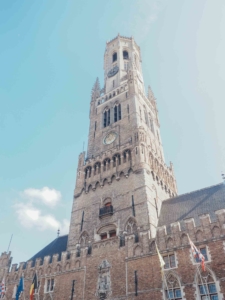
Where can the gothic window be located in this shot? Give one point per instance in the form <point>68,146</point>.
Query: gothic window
<point>170,261</point>
<point>206,285</point>
<point>126,156</point>
<point>84,239</point>
<point>88,172</point>
<point>125,55</point>
<point>106,164</point>
<point>173,289</point>
<point>131,226</point>
<point>116,160</point>
<point>106,117</point>
<point>117,112</point>
<point>97,168</point>
<point>78,251</point>
<point>114,57</point>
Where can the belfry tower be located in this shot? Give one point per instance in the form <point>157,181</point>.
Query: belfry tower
<point>123,180</point>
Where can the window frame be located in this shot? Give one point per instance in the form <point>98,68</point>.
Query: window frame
<point>50,285</point>
<point>169,260</point>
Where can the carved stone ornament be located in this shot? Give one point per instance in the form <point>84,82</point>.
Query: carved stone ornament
<point>104,281</point>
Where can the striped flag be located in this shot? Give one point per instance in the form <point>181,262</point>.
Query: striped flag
<point>2,288</point>
<point>33,287</point>
<point>197,254</point>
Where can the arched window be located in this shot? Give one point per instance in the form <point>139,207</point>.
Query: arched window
<point>172,288</point>
<point>97,168</point>
<point>125,55</point>
<point>206,285</point>
<point>88,172</point>
<point>116,160</point>
<point>126,156</point>
<point>131,226</point>
<point>106,164</point>
<point>106,117</point>
<point>114,57</point>
<point>84,239</point>
<point>117,112</point>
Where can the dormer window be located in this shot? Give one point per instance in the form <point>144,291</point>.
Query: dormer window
<point>125,55</point>
<point>114,57</point>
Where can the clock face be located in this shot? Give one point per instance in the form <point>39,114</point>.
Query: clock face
<point>109,138</point>
<point>113,71</point>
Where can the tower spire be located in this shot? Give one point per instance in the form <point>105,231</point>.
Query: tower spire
<point>96,91</point>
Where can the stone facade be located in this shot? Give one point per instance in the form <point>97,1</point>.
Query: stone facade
<point>121,187</point>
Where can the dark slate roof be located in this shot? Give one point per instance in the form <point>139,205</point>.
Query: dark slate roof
<point>191,205</point>
<point>55,247</point>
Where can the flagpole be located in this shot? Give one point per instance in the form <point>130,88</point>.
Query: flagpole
<point>162,264</point>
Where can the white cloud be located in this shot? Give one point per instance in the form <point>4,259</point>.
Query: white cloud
<point>48,196</point>
<point>30,216</point>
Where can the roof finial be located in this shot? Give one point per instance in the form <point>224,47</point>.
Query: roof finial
<point>58,232</point>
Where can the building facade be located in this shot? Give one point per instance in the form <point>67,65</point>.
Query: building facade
<point>125,205</point>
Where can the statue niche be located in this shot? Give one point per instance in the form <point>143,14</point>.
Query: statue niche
<point>104,282</point>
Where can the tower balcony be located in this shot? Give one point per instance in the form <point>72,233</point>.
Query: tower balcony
<point>105,211</point>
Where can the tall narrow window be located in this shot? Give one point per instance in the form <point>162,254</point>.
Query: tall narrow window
<point>136,283</point>
<point>106,117</point>
<point>114,57</point>
<point>133,207</point>
<point>119,111</point>
<point>82,221</point>
<point>115,113</point>
<point>125,55</point>
<point>95,125</point>
<point>128,108</point>
<point>73,288</point>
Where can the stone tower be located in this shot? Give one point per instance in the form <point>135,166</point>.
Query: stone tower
<point>123,180</point>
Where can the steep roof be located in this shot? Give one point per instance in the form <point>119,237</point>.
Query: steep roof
<point>191,205</point>
<point>55,247</point>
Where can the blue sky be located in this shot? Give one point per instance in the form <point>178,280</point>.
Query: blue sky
<point>50,55</point>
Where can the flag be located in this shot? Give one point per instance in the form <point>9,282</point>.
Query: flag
<point>161,260</point>
<point>197,254</point>
<point>20,288</point>
<point>2,288</point>
<point>33,287</point>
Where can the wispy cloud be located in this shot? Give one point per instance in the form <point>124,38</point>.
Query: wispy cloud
<point>31,213</point>
<point>48,196</point>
